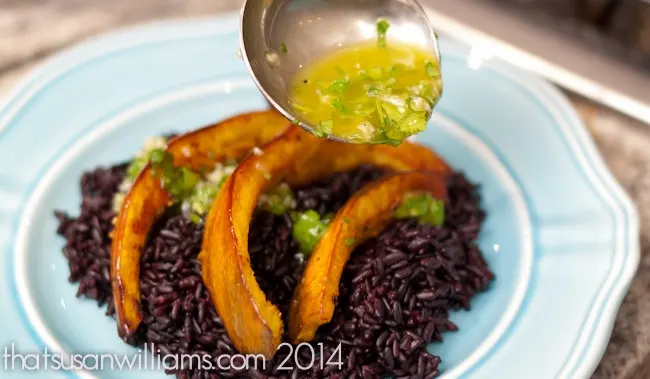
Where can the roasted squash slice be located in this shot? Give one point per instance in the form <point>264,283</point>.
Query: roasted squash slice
<point>340,157</point>
<point>147,199</point>
<point>253,323</point>
<point>363,216</point>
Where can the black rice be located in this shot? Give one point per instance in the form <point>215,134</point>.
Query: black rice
<point>395,293</point>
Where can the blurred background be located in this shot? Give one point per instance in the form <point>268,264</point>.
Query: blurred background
<point>597,51</point>
<point>620,25</point>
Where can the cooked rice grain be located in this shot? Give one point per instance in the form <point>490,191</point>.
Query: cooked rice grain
<point>395,293</point>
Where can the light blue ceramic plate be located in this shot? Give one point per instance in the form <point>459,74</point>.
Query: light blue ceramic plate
<point>561,235</point>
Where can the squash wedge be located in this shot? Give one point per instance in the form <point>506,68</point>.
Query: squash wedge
<point>363,216</point>
<point>147,199</point>
<point>254,324</point>
<point>340,157</point>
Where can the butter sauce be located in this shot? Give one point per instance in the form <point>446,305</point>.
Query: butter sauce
<point>373,92</point>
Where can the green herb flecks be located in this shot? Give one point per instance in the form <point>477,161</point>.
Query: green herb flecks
<point>382,98</point>
<point>380,113</point>
<point>393,107</point>
<point>326,126</point>
<point>279,200</point>
<point>431,70</point>
<point>197,204</point>
<point>178,181</point>
<point>382,28</point>
<point>423,207</point>
<point>419,104</point>
<point>151,146</point>
<point>339,106</point>
<point>339,86</point>
<point>413,123</point>
<point>200,201</point>
<point>399,68</point>
<point>283,48</point>
<point>136,165</point>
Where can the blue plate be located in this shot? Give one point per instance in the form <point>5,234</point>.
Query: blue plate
<point>561,235</point>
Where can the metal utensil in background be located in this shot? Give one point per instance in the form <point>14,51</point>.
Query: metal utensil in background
<point>533,35</point>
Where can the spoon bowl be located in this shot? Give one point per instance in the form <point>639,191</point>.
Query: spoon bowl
<point>279,37</point>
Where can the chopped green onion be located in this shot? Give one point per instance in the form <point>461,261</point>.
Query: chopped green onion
<point>178,181</point>
<point>338,105</point>
<point>382,28</point>
<point>424,90</point>
<point>195,218</point>
<point>415,122</point>
<point>152,146</point>
<point>392,111</point>
<point>157,156</point>
<point>339,85</point>
<point>136,165</point>
<point>372,91</point>
<point>423,207</point>
<point>141,160</point>
<point>394,135</point>
<point>380,113</point>
<point>364,110</point>
<point>326,126</point>
<point>162,163</point>
<point>431,70</point>
<point>283,48</point>
<point>189,179</point>
<point>380,100</point>
<point>308,228</point>
<point>399,68</point>
<point>200,201</point>
<point>418,104</point>
<point>279,200</point>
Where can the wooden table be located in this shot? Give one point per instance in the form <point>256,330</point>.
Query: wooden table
<point>31,30</point>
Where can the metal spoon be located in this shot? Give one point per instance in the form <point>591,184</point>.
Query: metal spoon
<point>311,28</point>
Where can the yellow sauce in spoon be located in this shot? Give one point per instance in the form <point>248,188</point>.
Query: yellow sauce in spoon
<point>369,93</point>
